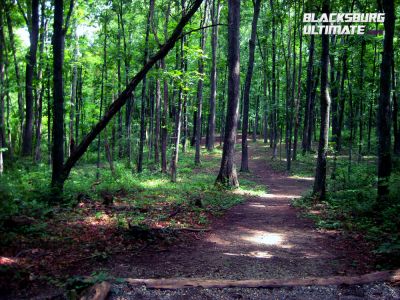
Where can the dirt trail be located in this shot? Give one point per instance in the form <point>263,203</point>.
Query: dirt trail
<point>262,238</point>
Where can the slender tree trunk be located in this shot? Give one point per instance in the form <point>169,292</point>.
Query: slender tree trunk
<point>341,106</point>
<point>372,100</point>
<point>308,108</point>
<point>320,173</point>
<point>213,78</point>
<point>17,70</point>
<point>396,134</point>
<point>298,98</point>
<point>158,123</point>
<point>178,113</point>
<point>73,95</point>
<point>143,103</point>
<point>2,91</point>
<point>200,92</point>
<point>274,100</point>
<point>227,174</point>
<point>246,95</point>
<point>384,116</point>
<point>102,93</point>
<point>164,118</point>
<point>361,98</point>
<point>29,74</point>
<point>40,90</point>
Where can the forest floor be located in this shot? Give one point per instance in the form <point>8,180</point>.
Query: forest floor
<point>264,237</point>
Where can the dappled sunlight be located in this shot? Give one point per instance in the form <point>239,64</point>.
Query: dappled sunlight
<point>301,178</point>
<point>269,196</point>
<point>8,261</point>
<point>257,205</point>
<point>253,254</point>
<point>265,238</point>
<point>153,182</point>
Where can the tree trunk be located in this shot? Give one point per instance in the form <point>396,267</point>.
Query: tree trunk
<point>384,115</point>
<point>157,129</point>
<point>198,122</point>
<point>227,174</point>
<point>298,98</point>
<point>2,91</point>
<point>320,173</point>
<point>274,100</point>
<point>246,95</point>
<point>58,174</point>
<point>143,102</point>
<point>40,90</point>
<point>17,70</point>
<point>308,108</point>
<point>396,134</point>
<point>29,74</point>
<point>213,78</point>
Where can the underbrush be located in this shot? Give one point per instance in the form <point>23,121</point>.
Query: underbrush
<point>351,204</point>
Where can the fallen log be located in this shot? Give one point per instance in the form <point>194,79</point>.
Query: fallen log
<point>182,283</point>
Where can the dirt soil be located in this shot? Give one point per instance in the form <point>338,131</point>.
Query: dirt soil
<point>265,237</point>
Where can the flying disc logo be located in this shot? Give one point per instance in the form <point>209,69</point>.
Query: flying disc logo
<point>340,23</point>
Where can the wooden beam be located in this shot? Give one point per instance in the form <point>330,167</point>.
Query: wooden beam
<point>182,283</point>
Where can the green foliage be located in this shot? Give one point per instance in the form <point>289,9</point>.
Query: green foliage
<point>352,204</point>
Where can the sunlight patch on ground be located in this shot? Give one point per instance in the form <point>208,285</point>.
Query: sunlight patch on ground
<point>258,205</point>
<point>154,182</point>
<point>269,196</point>
<point>7,261</point>
<point>301,177</point>
<point>265,238</point>
<point>263,194</point>
<point>254,254</point>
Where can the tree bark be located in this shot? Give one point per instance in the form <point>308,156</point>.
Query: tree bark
<point>227,174</point>
<point>143,102</point>
<point>246,95</point>
<point>320,173</point>
<point>58,173</point>
<point>29,74</point>
<point>308,108</point>
<point>384,115</point>
<point>213,76</point>
<point>197,160</point>
<point>17,70</point>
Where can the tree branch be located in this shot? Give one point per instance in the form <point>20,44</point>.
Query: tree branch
<point>124,96</point>
<point>200,28</point>
<point>21,10</point>
<point>67,20</point>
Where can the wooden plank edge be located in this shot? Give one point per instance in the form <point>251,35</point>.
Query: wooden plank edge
<point>392,276</point>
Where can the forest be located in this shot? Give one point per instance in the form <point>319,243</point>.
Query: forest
<point>199,149</point>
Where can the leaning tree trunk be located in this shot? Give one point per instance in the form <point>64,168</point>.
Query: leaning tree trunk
<point>246,95</point>
<point>227,174</point>
<point>320,173</point>
<point>29,74</point>
<point>384,117</point>
<point>396,134</point>
<point>126,94</point>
